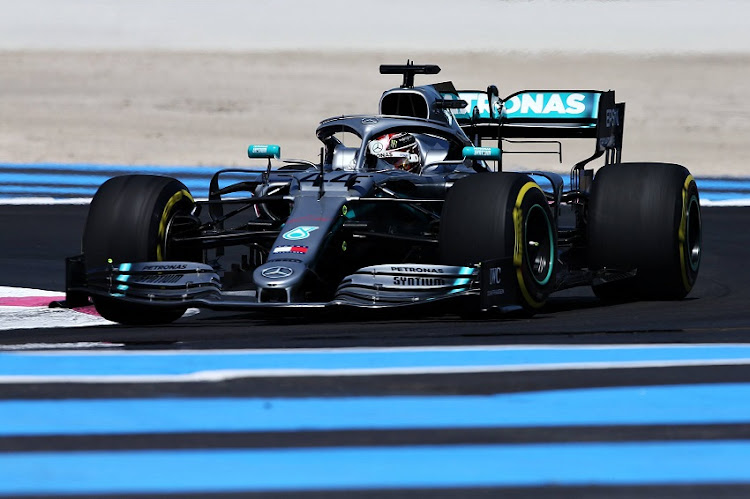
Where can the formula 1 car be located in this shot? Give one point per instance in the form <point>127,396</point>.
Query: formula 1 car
<point>407,207</point>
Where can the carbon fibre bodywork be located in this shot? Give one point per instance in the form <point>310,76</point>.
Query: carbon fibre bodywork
<point>350,230</point>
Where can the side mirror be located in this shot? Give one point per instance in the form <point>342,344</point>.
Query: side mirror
<point>489,153</point>
<point>263,151</point>
<point>450,104</point>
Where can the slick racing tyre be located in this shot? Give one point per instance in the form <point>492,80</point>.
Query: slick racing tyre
<point>128,221</point>
<point>500,215</point>
<point>645,217</point>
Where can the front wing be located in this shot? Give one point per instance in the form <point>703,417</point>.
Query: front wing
<point>188,284</point>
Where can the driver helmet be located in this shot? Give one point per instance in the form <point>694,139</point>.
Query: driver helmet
<point>401,150</point>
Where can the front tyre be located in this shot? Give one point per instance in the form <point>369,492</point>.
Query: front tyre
<point>500,215</point>
<point>129,221</point>
<point>645,216</point>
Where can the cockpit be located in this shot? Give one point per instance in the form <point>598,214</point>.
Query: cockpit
<point>377,143</point>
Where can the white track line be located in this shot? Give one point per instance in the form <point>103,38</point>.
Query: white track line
<point>42,317</point>
<point>35,317</point>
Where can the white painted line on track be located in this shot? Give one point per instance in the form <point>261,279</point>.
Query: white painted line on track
<point>43,317</point>
<point>59,346</point>
<point>14,292</point>
<point>27,308</point>
<point>727,202</point>
<point>43,201</point>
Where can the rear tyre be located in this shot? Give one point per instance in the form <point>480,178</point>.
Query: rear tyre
<point>645,216</point>
<point>500,215</point>
<point>129,221</point>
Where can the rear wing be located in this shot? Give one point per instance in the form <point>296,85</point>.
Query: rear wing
<point>541,114</point>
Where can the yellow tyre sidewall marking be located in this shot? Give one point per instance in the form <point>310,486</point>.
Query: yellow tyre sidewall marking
<point>518,245</point>
<point>682,233</point>
<point>164,221</point>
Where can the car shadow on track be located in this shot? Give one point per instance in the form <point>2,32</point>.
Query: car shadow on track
<point>437,313</point>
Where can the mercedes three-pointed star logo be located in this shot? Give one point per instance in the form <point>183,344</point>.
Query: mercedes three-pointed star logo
<point>277,272</point>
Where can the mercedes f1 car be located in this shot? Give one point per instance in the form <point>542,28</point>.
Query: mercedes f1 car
<point>407,207</point>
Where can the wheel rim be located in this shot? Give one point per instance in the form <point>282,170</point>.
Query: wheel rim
<point>693,235</point>
<point>167,218</point>
<point>167,239</point>
<point>539,244</point>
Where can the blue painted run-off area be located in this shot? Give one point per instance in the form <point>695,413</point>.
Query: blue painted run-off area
<point>657,405</point>
<point>61,181</point>
<point>372,467</point>
<point>341,361</point>
<point>227,470</point>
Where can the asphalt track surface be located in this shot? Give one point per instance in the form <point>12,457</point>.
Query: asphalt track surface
<point>693,438</point>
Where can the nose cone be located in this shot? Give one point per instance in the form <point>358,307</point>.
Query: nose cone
<point>279,275</point>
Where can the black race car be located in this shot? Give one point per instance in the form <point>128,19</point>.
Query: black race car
<point>407,207</point>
